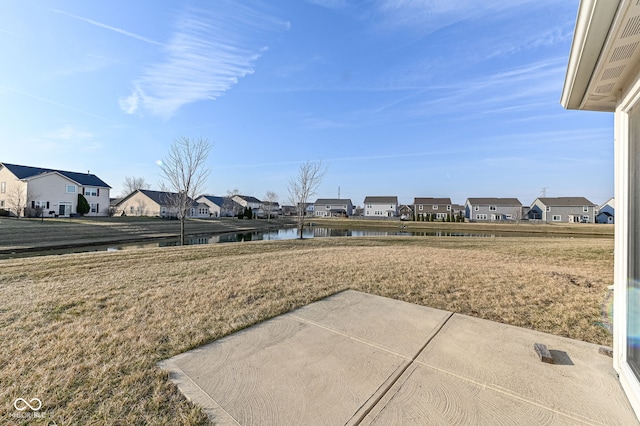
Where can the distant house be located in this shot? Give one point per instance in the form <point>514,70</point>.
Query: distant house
<point>380,206</point>
<point>563,209</point>
<point>247,201</point>
<point>270,209</point>
<point>333,207</point>
<point>606,212</point>
<point>27,190</point>
<point>220,206</point>
<point>145,202</point>
<point>405,211</point>
<point>492,209</point>
<point>287,210</point>
<point>434,208</point>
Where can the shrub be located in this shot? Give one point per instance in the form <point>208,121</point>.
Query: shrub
<point>83,206</point>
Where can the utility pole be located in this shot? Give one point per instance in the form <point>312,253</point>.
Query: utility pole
<point>338,193</point>
<point>544,192</point>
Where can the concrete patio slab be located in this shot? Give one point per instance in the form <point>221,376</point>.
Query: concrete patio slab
<point>355,358</point>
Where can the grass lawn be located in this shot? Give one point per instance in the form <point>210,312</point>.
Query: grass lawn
<point>83,332</point>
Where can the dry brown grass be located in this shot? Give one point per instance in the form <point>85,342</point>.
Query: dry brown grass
<point>84,332</point>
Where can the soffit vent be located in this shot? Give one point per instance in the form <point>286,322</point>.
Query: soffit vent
<point>623,52</point>
<point>612,72</point>
<point>605,88</point>
<point>632,28</point>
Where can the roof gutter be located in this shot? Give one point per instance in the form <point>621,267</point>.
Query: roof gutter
<point>593,23</point>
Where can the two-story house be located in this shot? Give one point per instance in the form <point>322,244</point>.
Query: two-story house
<point>563,209</point>
<point>606,212</point>
<point>492,209</point>
<point>333,207</point>
<point>431,208</point>
<point>25,190</point>
<point>380,206</point>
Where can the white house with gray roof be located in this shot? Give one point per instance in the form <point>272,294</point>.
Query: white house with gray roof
<point>220,206</point>
<point>563,209</point>
<point>492,209</point>
<point>333,207</point>
<point>26,189</point>
<point>380,206</point>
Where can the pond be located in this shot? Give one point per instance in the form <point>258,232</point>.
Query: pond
<point>279,234</point>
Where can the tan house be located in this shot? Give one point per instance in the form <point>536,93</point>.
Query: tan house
<point>603,74</point>
<point>145,202</point>
<point>26,190</point>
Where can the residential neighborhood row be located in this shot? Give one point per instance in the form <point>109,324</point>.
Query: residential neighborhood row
<point>34,191</point>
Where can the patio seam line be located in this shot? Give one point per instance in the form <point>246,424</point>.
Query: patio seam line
<point>366,410</point>
<point>180,372</point>
<point>366,342</point>
<point>507,392</point>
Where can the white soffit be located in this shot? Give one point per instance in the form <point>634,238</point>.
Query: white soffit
<point>605,55</point>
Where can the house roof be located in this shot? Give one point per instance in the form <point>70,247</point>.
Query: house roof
<point>84,179</point>
<point>495,201</point>
<point>249,199</point>
<point>333,201</point>
<point>220,201</point>
<point>430,200</point>
<point>565,201</point>
<point>159,197</point>
<point>603,60</point>
<point>380,200</point>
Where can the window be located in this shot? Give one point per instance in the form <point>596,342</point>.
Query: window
<point>585,219</point>
<point>368,206</point>
<point>131,209</point>
<point>1,203</point>
<point>548,209</point>
<point>448,208</point>
<point>3,187</point>
<point>91,191</point>
<point>71,189</point>
<point>94,207</point>
<point>493,208</point>
<point>163,211</point>
<point>556,218</point>
<point>585,209</point>
<point>476,208</point>
<point>435,207</point>
<point>481,217</point>
<point>420,207</point>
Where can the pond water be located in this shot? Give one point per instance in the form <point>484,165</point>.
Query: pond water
<point>279,234</point>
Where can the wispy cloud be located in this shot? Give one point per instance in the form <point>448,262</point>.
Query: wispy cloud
<point>55,103</point>
<point>207,54</point>
<point>67,138</point>
<point>109,27</point>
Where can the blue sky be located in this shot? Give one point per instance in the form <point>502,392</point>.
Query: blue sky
<point>431,98</point>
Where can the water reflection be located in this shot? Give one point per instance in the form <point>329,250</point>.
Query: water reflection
<point>275,234</point>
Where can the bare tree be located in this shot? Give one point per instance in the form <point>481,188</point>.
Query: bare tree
<point>270,200</point>
<point>185,172</point>
<point>17,199</point>
<point>303,186</point>
<point>132,184</point>
<point>233,192</point>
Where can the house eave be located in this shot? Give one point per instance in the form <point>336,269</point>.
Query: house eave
<point>593,25</point>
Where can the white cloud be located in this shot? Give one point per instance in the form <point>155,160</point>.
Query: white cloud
<point>108,27</point>
<point>207,54</point>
